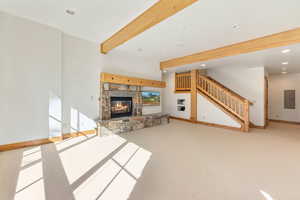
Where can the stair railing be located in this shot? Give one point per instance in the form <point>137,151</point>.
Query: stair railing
<point>183,81</point>
<point>236,104</point>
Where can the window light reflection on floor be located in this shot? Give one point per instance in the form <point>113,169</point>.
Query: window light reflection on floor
<point>30,183</point>
<point>266,195</point>
<point>95,168</point>
<point>120,188</point>
<point>79,159</point>
<point>123,156</point>
<point>31,156</point>
<point>95,185</point>
<point>137,164</point>
<point>115,180</point>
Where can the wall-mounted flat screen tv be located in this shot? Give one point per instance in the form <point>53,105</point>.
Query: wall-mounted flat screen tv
<point>151,98</point>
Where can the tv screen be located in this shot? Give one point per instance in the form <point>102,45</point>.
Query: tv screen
<point>151,98</point>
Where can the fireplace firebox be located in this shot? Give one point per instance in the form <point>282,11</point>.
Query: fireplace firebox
<point>121,106</point>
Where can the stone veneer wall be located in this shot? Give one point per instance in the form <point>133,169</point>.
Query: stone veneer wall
<point>114,90</point>
<point>127,124</point>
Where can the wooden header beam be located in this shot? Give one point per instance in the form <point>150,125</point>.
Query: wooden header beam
<point>154,15</point>
<point>271,41</point>
<point>118,79</point>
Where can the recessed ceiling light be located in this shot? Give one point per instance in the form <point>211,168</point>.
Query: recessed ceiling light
<point>203,65</point>
<point>164,71</point>
<point>70,12</point>
<point>285,51</point>
<point>284,72</point>
<point>235,26</point>
<point>285,63</point>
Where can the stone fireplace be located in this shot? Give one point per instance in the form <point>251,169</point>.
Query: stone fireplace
<point>121,110</point>
<point>120,107</point>
<point>120,101</point>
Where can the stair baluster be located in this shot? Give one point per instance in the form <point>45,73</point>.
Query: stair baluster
<point>235,104</point>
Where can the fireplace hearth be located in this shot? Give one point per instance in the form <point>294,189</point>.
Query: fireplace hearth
<point>121,107</point>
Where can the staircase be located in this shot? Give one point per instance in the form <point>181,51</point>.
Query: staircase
<point>234,105</point>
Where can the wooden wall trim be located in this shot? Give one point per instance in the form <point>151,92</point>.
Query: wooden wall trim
<point>154,15</point>
<point>183,91</point>
<point>181,119</point>
<point>19,145</point>
<point>126,80</point>
<point>256,126</point>
<point>208,124</point>
<point>283,121</point>
<point>220,126</point>
<point>270,41</point>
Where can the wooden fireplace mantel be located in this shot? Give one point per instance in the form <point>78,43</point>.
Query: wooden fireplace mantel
<point>119,79</point>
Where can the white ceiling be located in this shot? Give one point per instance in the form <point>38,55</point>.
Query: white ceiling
<point>206,24</point>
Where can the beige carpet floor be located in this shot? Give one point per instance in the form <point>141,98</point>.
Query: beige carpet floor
<point>178,161</point>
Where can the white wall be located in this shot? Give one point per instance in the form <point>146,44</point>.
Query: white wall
<point>80,82</point>
<point>247,82</point>
<point>277,85</point>
<point>49,81</point>
<point>118,62</point>
<point>82,65</point>
<point>208,112</point>
<point>170,99</point>
<point>29,75</point>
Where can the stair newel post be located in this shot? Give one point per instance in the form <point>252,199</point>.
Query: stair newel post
<point>194,75</point>
<point>246,115</point>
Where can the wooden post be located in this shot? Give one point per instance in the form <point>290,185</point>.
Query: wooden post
<point>246,116</point>
<point>194,95</point>
<point>202,72</point>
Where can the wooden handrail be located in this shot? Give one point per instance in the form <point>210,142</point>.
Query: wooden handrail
<point>234,103</point>
<point>183,74</point>
<point>228,99</point>
<point>225,88</point>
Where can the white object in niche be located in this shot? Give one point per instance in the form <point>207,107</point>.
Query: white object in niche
<point>181,105</point>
